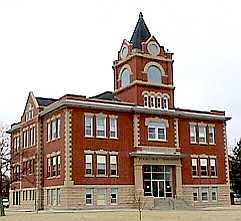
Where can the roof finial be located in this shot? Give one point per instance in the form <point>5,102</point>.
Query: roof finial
<point>140,15</point>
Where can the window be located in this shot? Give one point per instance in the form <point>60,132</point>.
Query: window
<point>157,131</point>
<point>101,197</point>
<point>214,193</point>
<point>195,194</point>
<point>202,134</point>
<point>154,75</point>
<point>88,164</point>
<point>58,196</point>
<point>54,166</point>
<point>53,129</point>
<point>194,167</point>
<point>204,167</point>
<point>152,101</point>
<point>25,138</point>
<point>146,100</point>
<point>58,127</point>
<point>165,103</point>
<point>158,102</point>
<point>33,136</point>
<point>193,137</point>
<point>89,197</point>
<point>125,78</point>
<point>58,165</point>
<point>100,127</point>
<point>48,197</point>
<point>101,165</point>
<point>213,170</point>
<point>113,197</point>
<point>30,137</point>
<point>88,126</point>
<point>211,135</point>
<point>49,167</point>
<point>113,127</point>
<point>49,131</point>
<point>204,194</point>
<point>113,165</point>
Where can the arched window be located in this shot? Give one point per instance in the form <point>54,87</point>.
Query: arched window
<point>125,78</point>
<point>154,75</point>
<point>165,103</point>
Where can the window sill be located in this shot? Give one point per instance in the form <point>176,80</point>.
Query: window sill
<point>87,136</point>
<point>204,177</point>
<point>114,138</point>
<point>114,176</point>
<point>215,177</point>
<point>101,176</point>
<point>156,140</point>
<point>53,177</point>
<point>201,143</point>
<point>53,140</point>
<point>86,175</point>
<point>100,137</point>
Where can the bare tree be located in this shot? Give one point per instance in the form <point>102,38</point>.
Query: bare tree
<point>140,203</point>
<point>4,162</point>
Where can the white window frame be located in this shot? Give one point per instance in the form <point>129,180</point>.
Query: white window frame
<point>193,134</point>
<point>114,191</point>
<point>211,131</point>
<point>89,117</point>
<point>58,127</point>
<point>146,100</point>
<point>156,127</point>
<point>159,102</point>
<point>98,126</point>
<point>152,101</point>
<point>213,163</point>
<point>165,103</point>
<point>202,164</point>
<point>89,191</point>
<point>214,190</point>
<point>49,137</point>
<point>33,136</point>
<point>54,129</point>
<point>113,163</point>
<point>195,164</point>
<point>196,190</point>
<point>88,160</point>
<point>201,133</point>
<point>113,128</point>
<point>204,190</point>
<point>101,159</point>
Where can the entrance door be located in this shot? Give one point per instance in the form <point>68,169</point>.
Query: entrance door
<point>157,181</point>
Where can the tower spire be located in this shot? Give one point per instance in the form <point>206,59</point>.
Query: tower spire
<point>141,32</point>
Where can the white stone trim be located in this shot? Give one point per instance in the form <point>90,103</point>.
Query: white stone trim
<point>126,66</point>
<point>154,64</point>
<point>156,119</point>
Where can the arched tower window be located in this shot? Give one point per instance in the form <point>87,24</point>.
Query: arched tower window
<point>154,75</point>
<point>125,78</point>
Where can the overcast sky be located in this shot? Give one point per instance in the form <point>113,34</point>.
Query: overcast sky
<point>58,47</point>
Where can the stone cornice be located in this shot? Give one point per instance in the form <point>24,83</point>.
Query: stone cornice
<point>131,108</point>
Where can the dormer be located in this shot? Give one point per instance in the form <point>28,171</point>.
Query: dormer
<point>143,65</point>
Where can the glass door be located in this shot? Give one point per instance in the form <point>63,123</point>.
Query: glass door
<point>157,181</point>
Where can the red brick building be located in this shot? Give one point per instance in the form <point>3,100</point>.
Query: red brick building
<point>109,150</point>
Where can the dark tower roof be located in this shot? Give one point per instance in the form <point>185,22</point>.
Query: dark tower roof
<point>141,33</point>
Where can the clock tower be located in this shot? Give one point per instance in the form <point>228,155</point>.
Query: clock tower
<point>143,72</point>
